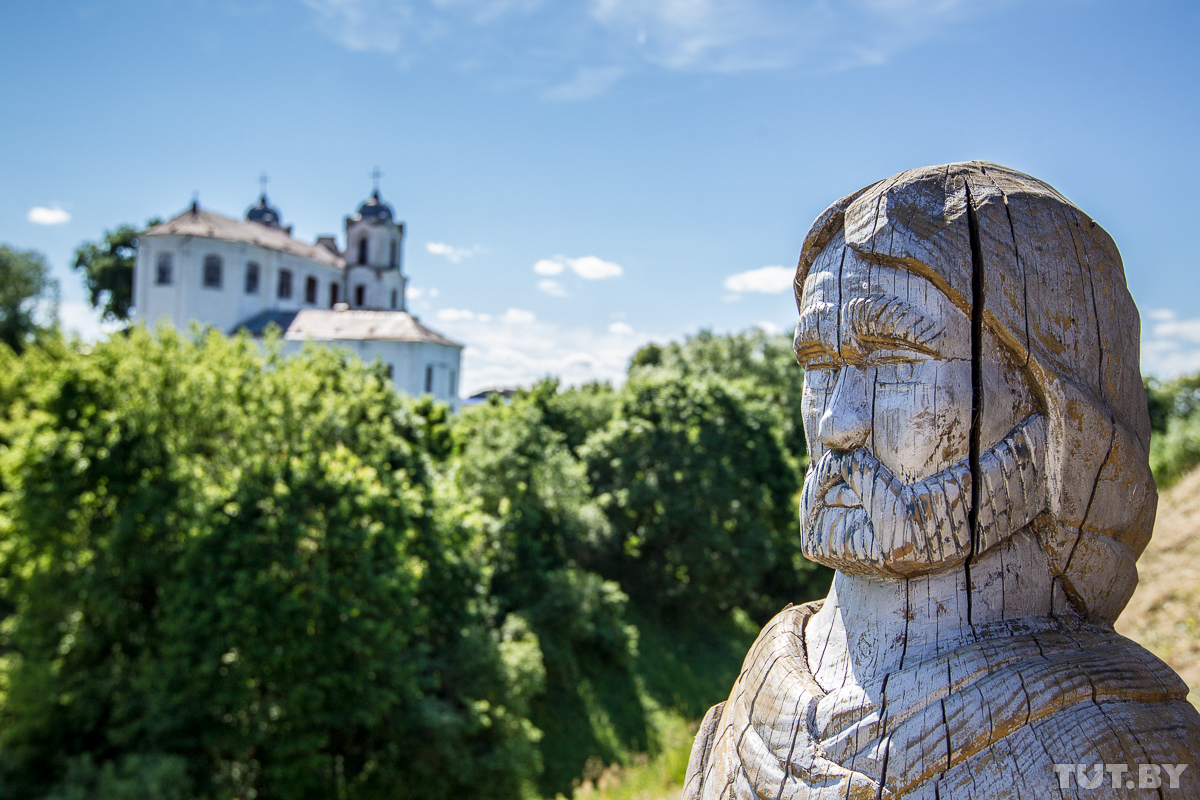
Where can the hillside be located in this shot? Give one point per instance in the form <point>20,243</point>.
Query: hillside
<point>1164,614</point>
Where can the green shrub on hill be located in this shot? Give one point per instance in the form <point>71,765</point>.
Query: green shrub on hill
<point>224,574</point>
<point>700,494</point>
<point>1175,422</point>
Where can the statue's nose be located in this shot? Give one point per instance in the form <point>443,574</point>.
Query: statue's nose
<point>846,423</point>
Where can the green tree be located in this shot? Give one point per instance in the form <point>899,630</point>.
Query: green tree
<point>28,297</point>
<point>762,365</point>
<point>107,267</point>
<point>576,413</point>
<point>226,575</point>
<point>700,495</point>
<point>526,498</point>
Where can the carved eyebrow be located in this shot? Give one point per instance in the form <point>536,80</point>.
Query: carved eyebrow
<point>887,321</point>
<point>808,342</point>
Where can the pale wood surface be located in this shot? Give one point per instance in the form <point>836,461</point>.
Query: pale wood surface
<point>979,480</point>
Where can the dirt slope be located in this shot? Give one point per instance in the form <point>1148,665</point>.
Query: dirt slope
<point>1164,614</point>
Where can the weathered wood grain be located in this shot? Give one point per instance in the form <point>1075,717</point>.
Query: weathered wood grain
<point>979,481</point>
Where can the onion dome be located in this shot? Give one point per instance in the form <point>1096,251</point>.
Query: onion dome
<point>375,209</point>
<point>263,214</point>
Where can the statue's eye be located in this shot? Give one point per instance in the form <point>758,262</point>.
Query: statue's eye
<point>820,378</point>
<point>894,373</point>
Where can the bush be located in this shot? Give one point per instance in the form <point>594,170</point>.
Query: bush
<point>700,495</point>
<point>224,565</point>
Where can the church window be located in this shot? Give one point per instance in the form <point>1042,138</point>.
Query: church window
<point>360,295</point>
<point>162,270</point>
<point>310,290</point>
<point>390,370</point>
<point>333,294</point>
<point>285,284</point>
<point>429,378</point>
<point>212,272</point>
<point>453,382</point>
<point>252,271</point>
<point>362,251</point>
<point>393,298</point>
<point>392,255</point>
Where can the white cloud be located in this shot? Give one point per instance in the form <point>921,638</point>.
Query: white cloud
<point>770,328</point>
<point>620,329</point>
<point>416,292</point>
<point>451,253</point>
<point>740,35</point>
<point>516,349</point>
<point>587,83</point>
<point>594,269</point>
<point>516,316</point>
<point>397,26</point>
<point>764,280</point>
<point>552,288</point>
<point>576,51</point>
<point>590,268</point>
<point>40,215</point>
<point>548,266</point>
<point>460,314</point>
<point>83,320</point>
<point>1170,345</point>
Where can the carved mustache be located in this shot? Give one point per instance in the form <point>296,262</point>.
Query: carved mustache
<point>904,528</point>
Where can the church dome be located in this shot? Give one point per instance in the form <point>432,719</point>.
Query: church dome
<point>375,209</point>
<point>263,214</point>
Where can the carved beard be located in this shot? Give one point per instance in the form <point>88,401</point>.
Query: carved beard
<point>857,517</point>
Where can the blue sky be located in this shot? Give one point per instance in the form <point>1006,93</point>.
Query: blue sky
<point>581,177</point>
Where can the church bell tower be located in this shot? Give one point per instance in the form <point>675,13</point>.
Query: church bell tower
<point>374,243</point>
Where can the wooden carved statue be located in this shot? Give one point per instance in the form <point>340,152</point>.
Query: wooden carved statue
<point>978,434</point>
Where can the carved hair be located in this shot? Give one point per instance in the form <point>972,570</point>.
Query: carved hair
<point>1054,294</point>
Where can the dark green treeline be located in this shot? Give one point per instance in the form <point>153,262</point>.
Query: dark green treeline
<point>228,574</point>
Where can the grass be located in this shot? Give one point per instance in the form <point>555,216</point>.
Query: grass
<point>640,722</point>
<point>646,778</point>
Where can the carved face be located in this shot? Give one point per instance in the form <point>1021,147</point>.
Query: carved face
<point>887,413</point>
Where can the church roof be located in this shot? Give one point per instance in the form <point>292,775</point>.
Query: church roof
<point>375,209</point>
<point>264,214</point>
<point>210,225</point>
<point>321,324</point>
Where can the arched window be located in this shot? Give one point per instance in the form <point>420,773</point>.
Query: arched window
<point>362,251</point>
<point>429,378</point>
<point>392,254</point>
<point>285,284</point>
<point>333,294</point>
<point>393,298</point>
<point>360,295</point>
<point>453,382</point>
<point>310,290</point>
<point>163,272</point>
<point>252,273</point>
<point>212,272</point>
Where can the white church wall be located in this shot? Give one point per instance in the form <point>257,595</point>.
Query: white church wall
<point>187,299</point>
<point>380,287</point>
<point>409,362</point>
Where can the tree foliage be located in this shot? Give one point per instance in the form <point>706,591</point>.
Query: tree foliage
<point>526,498</point>
<point>761,365</point>
<point>227,574</point>
<point>107,267</point>
<point>224,567</point>
<point>700,495</point>
<point>28,297</point>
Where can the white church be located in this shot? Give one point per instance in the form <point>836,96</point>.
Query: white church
<point>246,274</point>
